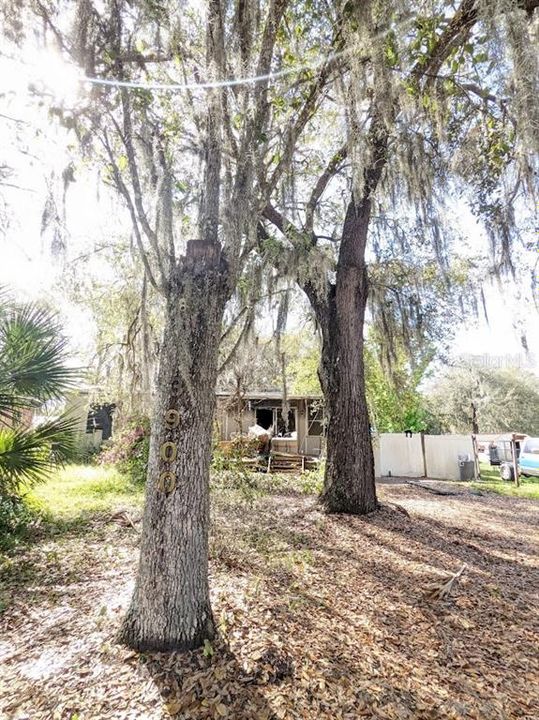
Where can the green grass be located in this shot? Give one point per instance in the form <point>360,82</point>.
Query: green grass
<point>81,490</point>
<point>491,480</point>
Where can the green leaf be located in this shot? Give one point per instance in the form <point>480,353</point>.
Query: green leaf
<point>208,649</point>
<point>27,456</point>
<point>32,358</point>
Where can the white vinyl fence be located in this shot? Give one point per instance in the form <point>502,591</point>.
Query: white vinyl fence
<point>400,455</point>
<point>433,456</point>
<point>442,454</point>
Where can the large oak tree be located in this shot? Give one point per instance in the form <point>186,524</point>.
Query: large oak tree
<point>417,121</point>
<point>194,155</point>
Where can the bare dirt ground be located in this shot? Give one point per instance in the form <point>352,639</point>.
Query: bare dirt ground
<point>319,617</point>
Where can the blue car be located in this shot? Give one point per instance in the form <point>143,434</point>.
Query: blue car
<point>528,460</point>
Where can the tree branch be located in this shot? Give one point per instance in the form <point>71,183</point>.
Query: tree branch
<point>456,31</point>
<point>294,130</point>
<point>321,185</point>
<point>127,138</point>
<point>245,329</point>
<point>211,190</point>
<point>254,126</point>
<point>123,190</point>
<point>275,13</point>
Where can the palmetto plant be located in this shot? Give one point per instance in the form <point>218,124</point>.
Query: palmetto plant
<point>33,374</point>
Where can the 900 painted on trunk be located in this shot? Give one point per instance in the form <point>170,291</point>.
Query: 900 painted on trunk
<point>168,452</point>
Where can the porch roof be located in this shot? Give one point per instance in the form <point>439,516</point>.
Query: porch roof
<point>266,395</point>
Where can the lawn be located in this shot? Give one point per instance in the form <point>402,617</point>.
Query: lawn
<point>319,617</point>
<point>79,491</point>
<point>491,480</point>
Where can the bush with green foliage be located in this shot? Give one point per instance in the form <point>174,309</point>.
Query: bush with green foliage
<point>16,516</point>
<point>129,449</point>
<point>231,453</point>
<point>229,469</point>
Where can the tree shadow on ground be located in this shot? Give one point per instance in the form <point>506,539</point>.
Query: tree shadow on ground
<point>213,683</point>
<point>319,616</point>
<point>354,589</point>
<point>358,586</point>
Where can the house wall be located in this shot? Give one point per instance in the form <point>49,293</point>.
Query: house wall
<point>312,445</point>
<point>220,420</point>
<point>442,453</point>
<point>77,406</point>
<point>301,416</point>
<point>233,427</point>
<point>400,455</point>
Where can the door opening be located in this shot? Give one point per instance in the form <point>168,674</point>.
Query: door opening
<point>264,417</point>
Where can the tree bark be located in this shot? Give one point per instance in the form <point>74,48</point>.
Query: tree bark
<point>349,485</point>
<point>170,608</point>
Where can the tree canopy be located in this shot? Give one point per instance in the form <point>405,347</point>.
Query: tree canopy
<point>506,400</point>
<point>254,145</point>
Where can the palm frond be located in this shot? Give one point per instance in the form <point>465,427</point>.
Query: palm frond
<point>32,358</point>
<point>28,456</point>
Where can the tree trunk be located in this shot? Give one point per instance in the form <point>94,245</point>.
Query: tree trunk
<point>349,485</point>
<point>170,608</point>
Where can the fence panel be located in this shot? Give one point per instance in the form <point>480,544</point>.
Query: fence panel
<point>442,454</point>
<point>400,455</point>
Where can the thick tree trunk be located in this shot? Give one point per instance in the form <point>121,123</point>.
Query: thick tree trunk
<point>170,608</point>
<point>349,485</point>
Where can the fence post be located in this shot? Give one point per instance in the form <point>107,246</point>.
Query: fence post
<point>424,454</point>
<point>477,467</point>
<point>514,458</point>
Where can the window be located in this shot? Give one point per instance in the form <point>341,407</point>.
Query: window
<point>315,419</point>
<point>291,425</point>
<point>531,446</point>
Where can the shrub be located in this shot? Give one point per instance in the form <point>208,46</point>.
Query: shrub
<point>231,470</point>
<point>16,517</point>
<point>129,450</point>
<point>311,482</point>
<point>33,377</point>
<point>229,455</point>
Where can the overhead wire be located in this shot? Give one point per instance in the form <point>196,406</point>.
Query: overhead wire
<point>233,82</point>
<point>404,21</point>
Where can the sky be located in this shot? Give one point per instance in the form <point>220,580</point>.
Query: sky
<point>30,270</point>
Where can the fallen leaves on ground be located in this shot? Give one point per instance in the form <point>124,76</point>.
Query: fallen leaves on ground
<point>322,617</point>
